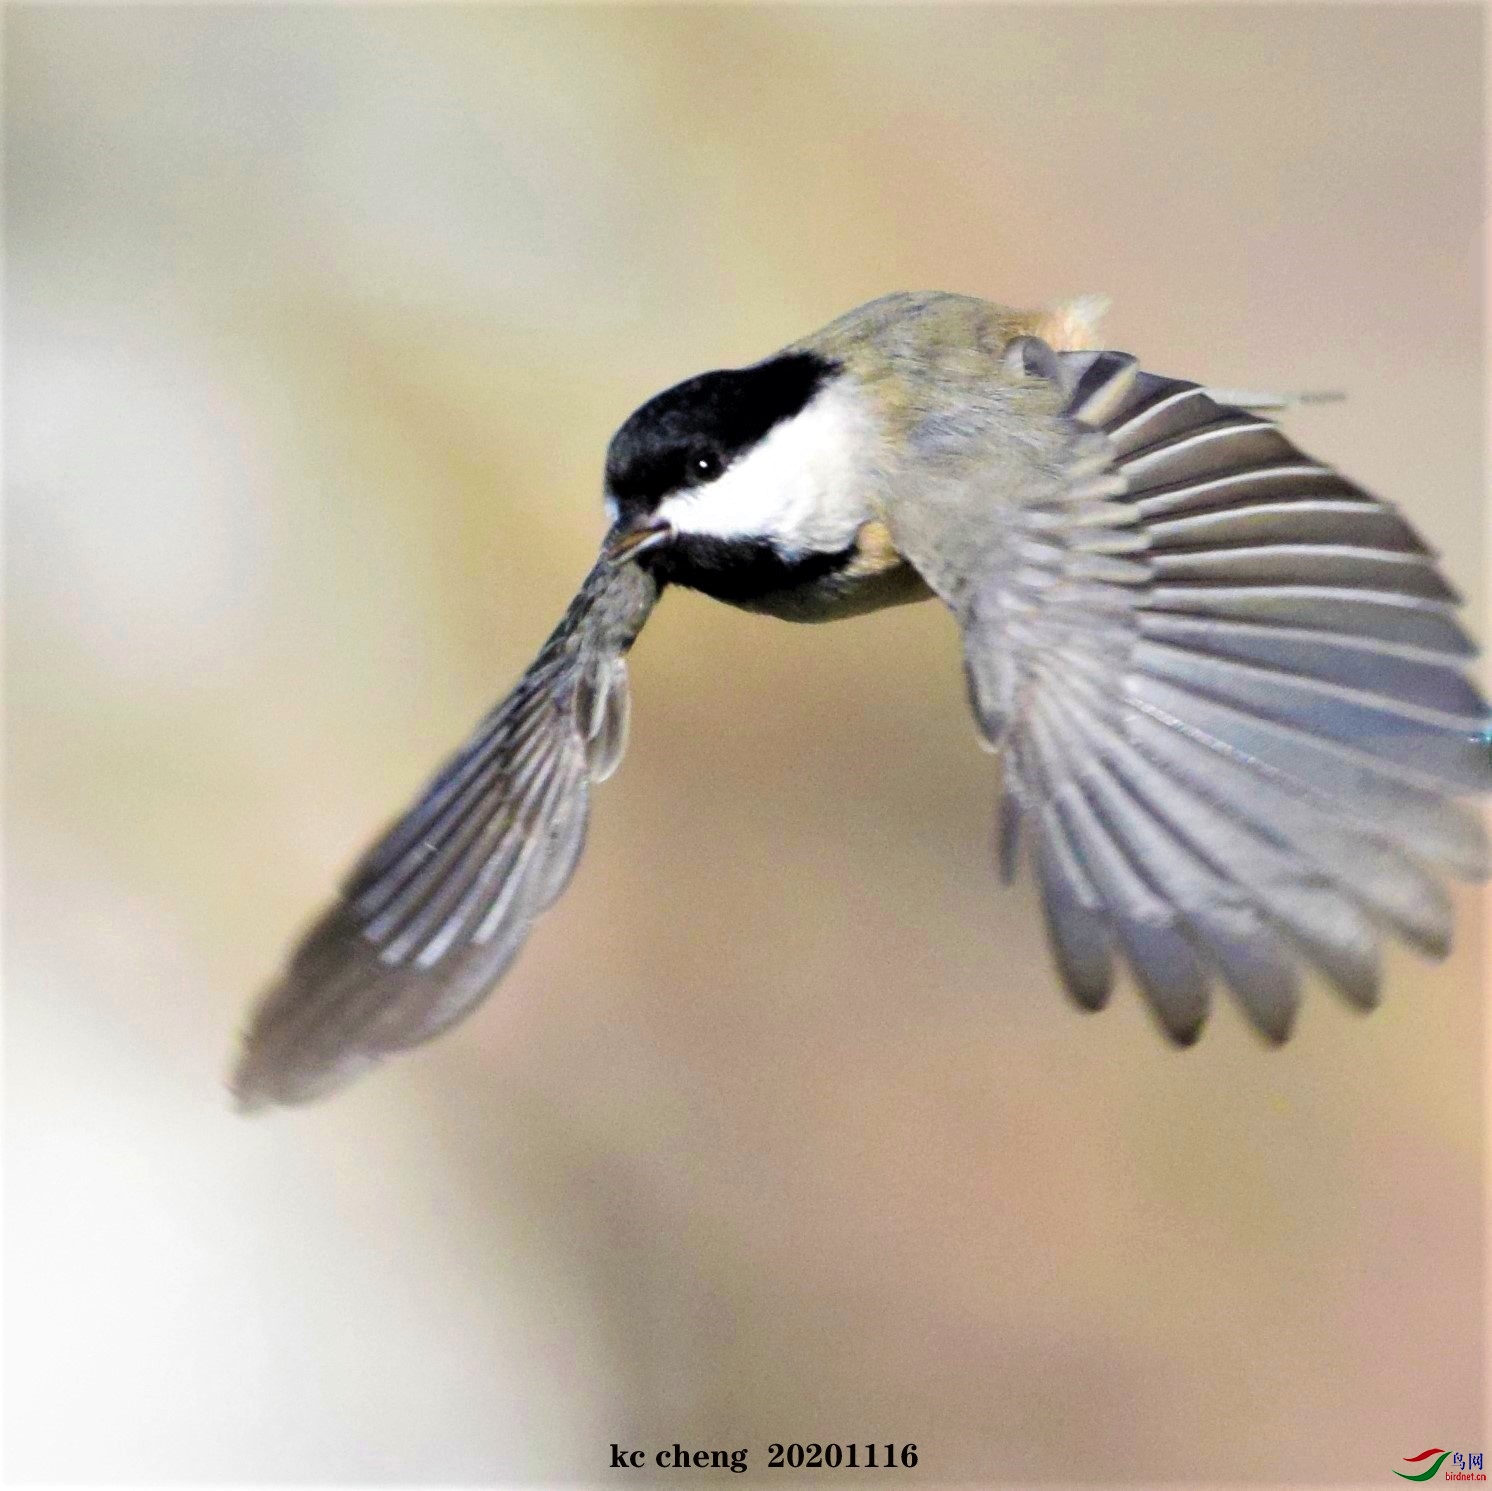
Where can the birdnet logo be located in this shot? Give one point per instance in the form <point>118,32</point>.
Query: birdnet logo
<point>1465,1466</point>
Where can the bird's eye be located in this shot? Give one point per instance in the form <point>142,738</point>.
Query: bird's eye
<point>704,465</point>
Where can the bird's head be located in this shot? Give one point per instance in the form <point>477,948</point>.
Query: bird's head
<point>742,459</point>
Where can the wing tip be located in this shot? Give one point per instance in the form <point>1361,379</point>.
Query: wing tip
<point>261,1079</point>
<point>244,1099</point>
<point>1184,1036</point>
<point>256,1082</point>
<point>283,1060</point>
<point>1089,995</point>
<point>1273,1031</point>
<point>250,1087</point>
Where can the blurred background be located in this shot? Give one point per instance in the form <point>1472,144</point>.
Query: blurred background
<point>317,323</point>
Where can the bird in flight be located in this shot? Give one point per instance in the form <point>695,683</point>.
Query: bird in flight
<point>1226,684</point>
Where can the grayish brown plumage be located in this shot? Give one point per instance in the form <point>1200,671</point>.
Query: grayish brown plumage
<point>1227,684</point>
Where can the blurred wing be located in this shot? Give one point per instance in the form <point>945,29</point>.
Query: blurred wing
<point>1227,687</point>
<point>440,905</point>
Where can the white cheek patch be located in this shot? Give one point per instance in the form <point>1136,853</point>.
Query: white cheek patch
<point>804,485</point>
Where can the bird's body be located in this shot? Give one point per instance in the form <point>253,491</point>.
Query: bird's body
<point>851,429</point>
<point>1226,684</point>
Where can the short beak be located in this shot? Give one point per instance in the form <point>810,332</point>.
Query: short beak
<point>637,538</point>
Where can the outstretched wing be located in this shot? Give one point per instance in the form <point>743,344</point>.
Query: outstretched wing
<point>436,910</point>
<point>1227,686</point>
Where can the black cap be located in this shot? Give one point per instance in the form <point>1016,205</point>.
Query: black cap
<point>690,433</point>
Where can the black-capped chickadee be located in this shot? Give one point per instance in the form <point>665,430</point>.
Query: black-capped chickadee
<point>1226,684</point>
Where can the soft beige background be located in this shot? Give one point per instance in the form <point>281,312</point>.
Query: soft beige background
<point>318,321</point>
